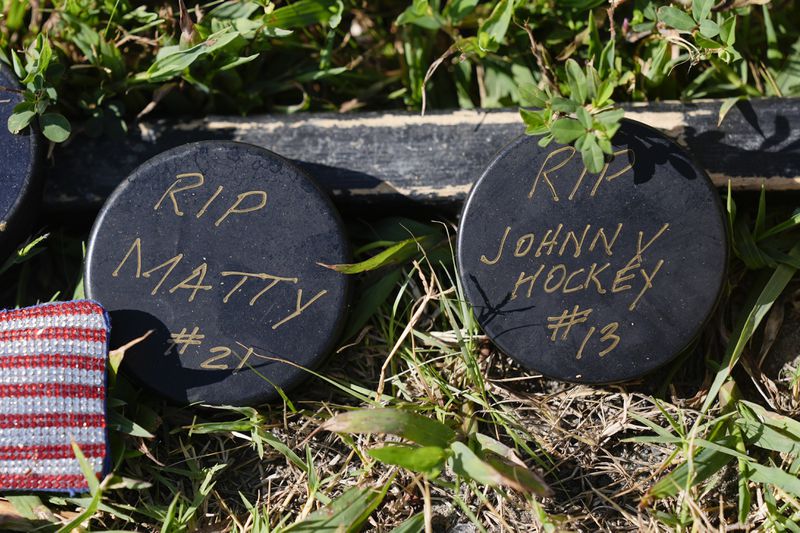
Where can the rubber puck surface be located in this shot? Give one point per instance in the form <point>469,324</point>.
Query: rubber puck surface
<point>593,278</point>
<point>215,246</point>
<point>20,179</point>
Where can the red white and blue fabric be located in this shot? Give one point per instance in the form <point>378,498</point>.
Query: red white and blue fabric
<point>52,392</point>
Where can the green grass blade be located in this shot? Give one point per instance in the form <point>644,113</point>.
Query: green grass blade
<point>345,514</point>
<point>775,476</point>
<point>369,302</point>
<point>763,296</point>
<point>768,430</point>
<point>704,465</point>
<point>761,214</point>
<point>87,513</point>
<point>393,255</point>
<point>792,222</point>
<point>415,524</point>
<point>86,469</point>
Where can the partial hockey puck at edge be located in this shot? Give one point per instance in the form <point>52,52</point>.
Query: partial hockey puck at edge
<point>20,174</point>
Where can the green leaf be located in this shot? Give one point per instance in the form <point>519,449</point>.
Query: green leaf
<point>494,471</point>
<point>531,95</point>
<point>592,155</point>
<point>55,127</point>
<point>604,92</point>
<point>584,118</point>
<point>15,14</point>
<point>576,80</point>
<point>708,44</point>
<point>456,10</point>
<point>701,9</point>
<point>518,477</point>
<point>21,117</point>
<point>562,105</point>
<point>606,62</point>
<point>610,117</point>
<point>566,130</point>
<point>172,61</point>
<point>116,482</point>
<point>727,31</point>
<point>730,208</point>
<point>30,507</point>
<point>580,140</point>
<point>302,13</point>
<point>490,444</point>
<point>166,522</point>
<point>234,10</point>
<point>423,459</point>
<point>45,54</point>
<point>19,68</point>
<point>467,464</point>
<point>422,430</point>
<point>605,145</point>
<point>659,63</point>
<point>345,514</point>
<point>676,18</point>
<point>581,5</point>
<point>420,14</point>
<point>493,30</point>
<point>709,29</point>
<point>535,122</point>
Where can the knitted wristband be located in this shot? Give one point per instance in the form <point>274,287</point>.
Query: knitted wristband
<point>52,392</point>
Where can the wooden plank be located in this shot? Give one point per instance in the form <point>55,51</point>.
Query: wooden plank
<point>399,159</point>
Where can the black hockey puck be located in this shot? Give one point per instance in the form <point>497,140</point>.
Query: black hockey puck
<point>593,278</point>
<point>217,247</point>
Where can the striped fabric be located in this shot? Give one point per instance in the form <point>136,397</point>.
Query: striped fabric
<point>52,392</point>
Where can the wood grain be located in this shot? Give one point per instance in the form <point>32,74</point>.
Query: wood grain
<point>389,160</point>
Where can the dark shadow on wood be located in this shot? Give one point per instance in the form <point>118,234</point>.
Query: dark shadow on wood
<point>401,161</point>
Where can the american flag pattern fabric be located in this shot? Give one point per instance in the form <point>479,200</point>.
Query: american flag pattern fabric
<point>52,391</point>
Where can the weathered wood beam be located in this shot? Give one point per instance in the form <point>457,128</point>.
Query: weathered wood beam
<point>398,159</point>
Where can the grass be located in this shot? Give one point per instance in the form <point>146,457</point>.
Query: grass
<point>650,455</point>
<point>91,66</point>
